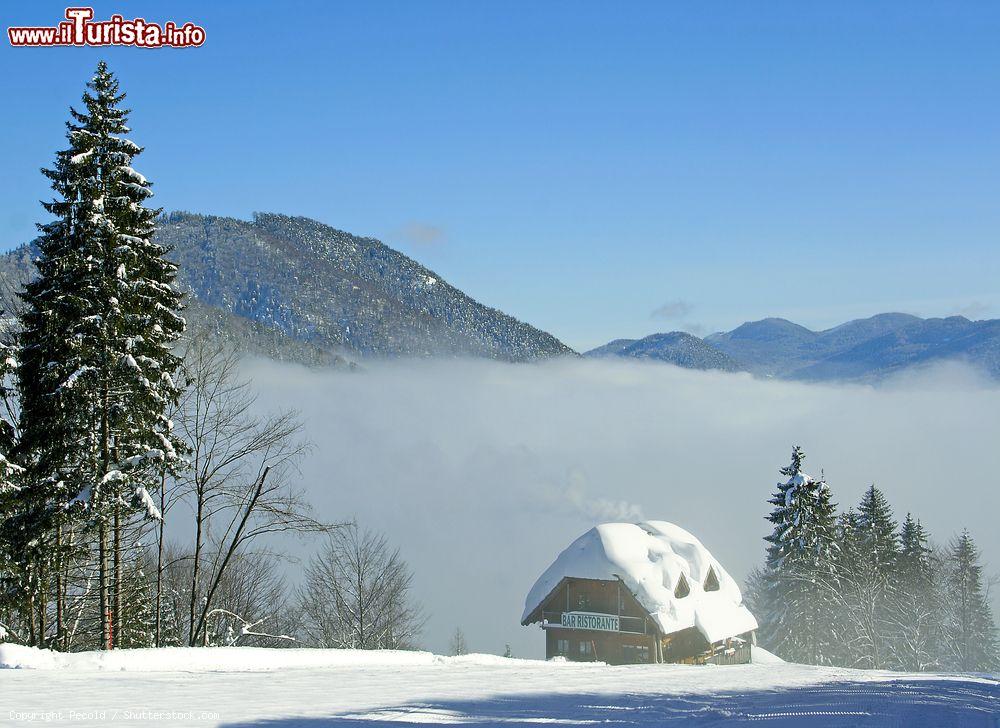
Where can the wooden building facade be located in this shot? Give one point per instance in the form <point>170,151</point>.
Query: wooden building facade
<point>600,620</point>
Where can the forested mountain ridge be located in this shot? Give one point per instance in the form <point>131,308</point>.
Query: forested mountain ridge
<point>677,347</point>
<point>861,350</point>
<point>293,288</point>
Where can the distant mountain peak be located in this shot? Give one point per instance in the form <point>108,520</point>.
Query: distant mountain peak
<point>770,328</point>
<point>674,347</point>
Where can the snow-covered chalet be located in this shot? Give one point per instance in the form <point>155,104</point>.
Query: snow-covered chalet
<point>627,593</point>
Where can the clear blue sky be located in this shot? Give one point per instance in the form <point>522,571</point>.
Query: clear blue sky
<point>580,165</point>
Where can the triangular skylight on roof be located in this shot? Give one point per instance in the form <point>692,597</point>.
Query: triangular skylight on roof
<point>711,581</point>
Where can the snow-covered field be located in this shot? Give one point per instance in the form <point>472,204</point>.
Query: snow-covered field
<point>314,688</point>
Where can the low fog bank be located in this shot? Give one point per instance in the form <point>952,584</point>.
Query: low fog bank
<point>482,472</point>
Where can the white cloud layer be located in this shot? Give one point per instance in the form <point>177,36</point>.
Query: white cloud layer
<point>482,472</point>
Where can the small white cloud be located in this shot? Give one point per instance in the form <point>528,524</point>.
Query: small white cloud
<point>672,310</point>
<point>422,234</point>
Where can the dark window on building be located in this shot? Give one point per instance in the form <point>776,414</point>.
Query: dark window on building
<point>635,654</point>
<point>682,589</point>
<point>586,648</point>
<point>562,647</point>
<point>583,601</point>
<point>711,581</point>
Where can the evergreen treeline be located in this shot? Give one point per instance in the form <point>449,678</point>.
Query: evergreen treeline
<point>859,590</point>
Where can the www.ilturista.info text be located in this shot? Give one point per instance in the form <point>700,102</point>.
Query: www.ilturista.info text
<point>79,29</point>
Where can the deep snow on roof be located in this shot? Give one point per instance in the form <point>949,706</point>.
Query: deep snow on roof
<point>650,559</point>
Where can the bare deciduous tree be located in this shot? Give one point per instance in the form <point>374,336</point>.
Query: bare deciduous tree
<point>458,644</point>
<point>357,595</point>
<point>240,480</point>
<point>251,605</point>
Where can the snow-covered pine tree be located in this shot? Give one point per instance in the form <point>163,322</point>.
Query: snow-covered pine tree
<point>797,618</point>
<point>970,633</point>
<point>846,564</point>
<point>96,367</point>
<point>877,529</point>
<point>45,385</point>
<point>138,618</point>
<point>867,589</point>
<point>916,611</point>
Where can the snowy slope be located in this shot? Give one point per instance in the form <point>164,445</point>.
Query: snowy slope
<point>651,558</point>
<point>299,688</point>
<point>242,659</point>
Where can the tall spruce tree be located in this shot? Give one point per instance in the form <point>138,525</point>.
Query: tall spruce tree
<point>866,585</point>
<point>916,611</point>
<point>970,633</point>
<point>49,402</point>
<point>96,368</point>
<point>877,530</point>
<point>847,563</point>
<point>801,554</point>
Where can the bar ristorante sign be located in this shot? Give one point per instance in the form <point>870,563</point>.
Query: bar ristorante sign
<point>591,620</point>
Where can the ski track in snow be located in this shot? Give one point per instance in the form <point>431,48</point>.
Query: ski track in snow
<point>479,690</point>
